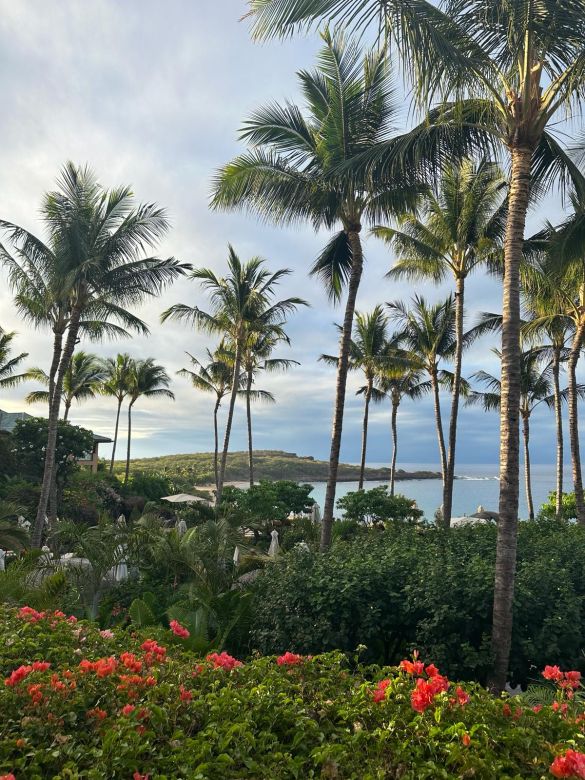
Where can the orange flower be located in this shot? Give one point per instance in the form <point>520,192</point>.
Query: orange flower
<point>466,739</point>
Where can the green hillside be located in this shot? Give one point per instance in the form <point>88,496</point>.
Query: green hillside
<point>269,464</point>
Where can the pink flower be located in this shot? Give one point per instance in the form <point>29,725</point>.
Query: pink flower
<point>552,673</point>
<point>289,659</point>
<point>9,776</point>
<point>40,666</point>
<point>179,630</point>
<point>138,776</point>
<point>107,634</point>
<point>223,661</point>
<point>128,709</point>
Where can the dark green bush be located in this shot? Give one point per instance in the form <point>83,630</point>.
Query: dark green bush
<point>408,588</point>
<point>377,505</point>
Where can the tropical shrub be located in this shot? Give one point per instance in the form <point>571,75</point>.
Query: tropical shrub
<point>409,587</point>
<point>377,505</point>
<point>151,486</point>
<point>79,702</point>
<point>568,507</point>
<point>29,439</point>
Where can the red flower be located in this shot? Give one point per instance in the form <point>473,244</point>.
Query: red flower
<point>17,675</point>
<point>431,670</point>
<point>131,662</point>
<point>552,673</point>
<point>128,709</point>
<point>289,659</point>
<point>379,693</point>
<point>466,739</point>
<point>537,708</point>
<point>185,695</point>
<point>30,614</point>
<point>97,713</point>
<point>412,667</point>
<point>223,661</point>
<point>438,684</point>
<point>422,696</point>
<point>35,693</point>
<point>462,696</point>
<point>153,652</point>
<point>179,630</point>
<point>9,776</point>
<point>506,710</point>
<point>572,764</point>
<point>40,666</point>
<point>572,680</point>
<point>138,776</point>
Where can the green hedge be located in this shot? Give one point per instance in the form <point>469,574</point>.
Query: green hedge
<point>110,705</point>
<point>408,587</point>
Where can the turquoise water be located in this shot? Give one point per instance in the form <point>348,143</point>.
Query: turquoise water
<point>476,484</point>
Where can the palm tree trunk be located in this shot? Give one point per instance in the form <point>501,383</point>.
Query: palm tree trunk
<point>509,418</point>
<point>439,423</point>
<point>527,474</point>
<point>128,443</point>
<point>228,425</point>
<point>365,434</point>
<point>448,484</point>
<point>120,400</point>
<point>357,264</point>
<point>53,424</point>
<point>559,426</point>
<point>394,445</point>
<point>67,408</point>
<point>576,347</point>
<point>57,349</point>
<point>216,442</point>
<point>249,420</point>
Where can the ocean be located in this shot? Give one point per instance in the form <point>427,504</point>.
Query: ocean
<point>476,485</point>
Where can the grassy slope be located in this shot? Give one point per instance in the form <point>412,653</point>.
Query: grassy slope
<point>269,464</point>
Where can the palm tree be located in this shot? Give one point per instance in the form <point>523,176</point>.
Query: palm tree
<point>116,385</point>
<point>297,168</point>
<point>401,379</point>
<point>428,332</point>
<point>9,364</point>
<point>83,380</point>
<point>256,358</point>
<point>536,388</point>
<point>91,269</point>
<point>510,69</point>
<point>242,301</point>
<point>215,377</point>
<point>459,230</point>
<point>369,352</point>
<point>146,379</point>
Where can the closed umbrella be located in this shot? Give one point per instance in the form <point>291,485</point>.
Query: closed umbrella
<point>274,548</point>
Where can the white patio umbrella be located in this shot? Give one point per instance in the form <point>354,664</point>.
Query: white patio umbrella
<point>274,548</point>
<point>315,514</point>
<point>186,498</point>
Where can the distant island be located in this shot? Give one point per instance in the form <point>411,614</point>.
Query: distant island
<point>268,464</point>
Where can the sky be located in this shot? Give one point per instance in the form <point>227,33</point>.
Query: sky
<point>152,94</point>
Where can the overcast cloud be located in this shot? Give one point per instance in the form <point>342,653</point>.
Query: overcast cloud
<point>152,94</point>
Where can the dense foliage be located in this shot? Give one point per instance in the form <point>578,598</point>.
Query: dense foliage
<point>79,702</point>
<point>377,505</point>
<point>407,587</point>
<point>29,440</point>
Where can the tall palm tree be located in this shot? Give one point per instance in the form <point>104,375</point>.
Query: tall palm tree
<point>297,169</point>
<point>241,302</point>
<point>82,381</point>
<point>369,352</point>
<point>510,69</point>
<point>459,229</point>
<point>116,385</point>
<point>536,388</point>
<point>258,348</point>
<point>400,379</point>
<point>146,380</point>
<point>91,269</point>
<point>8,363</point>
<point>428,332</point>
<point>215,377</point>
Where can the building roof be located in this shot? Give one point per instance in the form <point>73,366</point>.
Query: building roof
<point>8,421</point>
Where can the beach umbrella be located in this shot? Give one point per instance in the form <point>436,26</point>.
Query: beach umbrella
<point>274,548</point>
<point>316,514</point>
<point>236,556</point>
<point>186,498</point>
<point>181,528</point>
<point>2,559</point>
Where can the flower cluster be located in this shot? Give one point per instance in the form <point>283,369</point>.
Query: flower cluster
<point>179,630</point>
<point>102,667</point>
<point>153,652</point>
<point>572,764</point>
<point>289,659</point>
<point>223,661</point>
<point>568,681</point>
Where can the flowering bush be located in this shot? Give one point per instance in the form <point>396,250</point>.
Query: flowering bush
<point>77,703</point>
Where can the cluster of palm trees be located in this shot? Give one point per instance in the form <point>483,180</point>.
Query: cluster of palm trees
<point>490,78</point>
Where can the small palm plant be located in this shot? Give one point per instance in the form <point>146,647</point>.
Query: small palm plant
<point>116,385</point>
<point>8,363</point>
